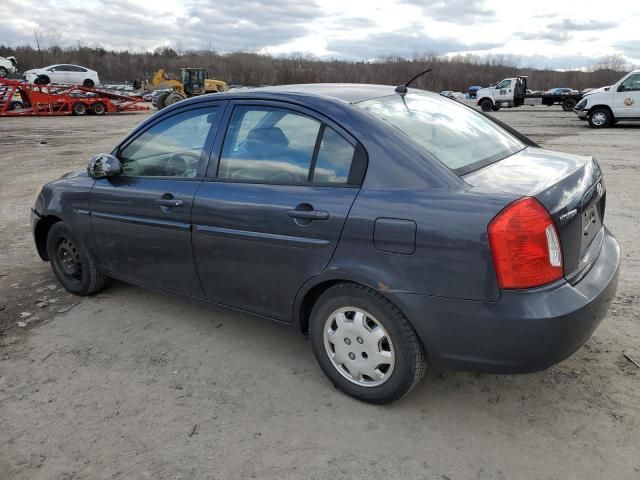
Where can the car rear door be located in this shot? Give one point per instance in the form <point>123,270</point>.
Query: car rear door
<point>271,210</point>
<point>141,219</point>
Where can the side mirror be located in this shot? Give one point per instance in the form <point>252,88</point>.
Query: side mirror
<point>104,165</point>
<point>622,88</point>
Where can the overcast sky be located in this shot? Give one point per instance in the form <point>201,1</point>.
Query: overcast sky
<point>542,33</point>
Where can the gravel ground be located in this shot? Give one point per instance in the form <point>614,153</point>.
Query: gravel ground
<point>131,384</point>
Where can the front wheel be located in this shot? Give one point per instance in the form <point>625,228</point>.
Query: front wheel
<point>3,72</point>
<point>365,345</point>
<point>600,118</point>
<point>486,105</point>
<point>74,267</point>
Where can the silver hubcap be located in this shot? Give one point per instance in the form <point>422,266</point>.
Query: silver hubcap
<point>599,118</point>
<point>359,347</point>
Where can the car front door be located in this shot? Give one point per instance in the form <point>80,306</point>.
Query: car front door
<point>270,213</point>
<point>141,219</point>
<point>504,91</point>
<point>626,98</point>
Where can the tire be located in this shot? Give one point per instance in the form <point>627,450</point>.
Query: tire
<point>569,104</point>
<point>173,98</point>
<point>98,108</point>
<point>600,118</point>
<point>74,267</point>
<point>17,106</point>
<point>3,72</point>
<point>42,80</point>
<point>486,105</point>
<point>160,99</point>
<point>495,108</point>
<point>88,83</point>
<point>79,109</point>
<point>385,335</point>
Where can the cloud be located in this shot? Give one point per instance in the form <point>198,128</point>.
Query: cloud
<point>461,12</point>
<point>547,35</point>
<point>404,43</point>
<point>630,48</point>
<point>198,24</point>
<point>585,26</point>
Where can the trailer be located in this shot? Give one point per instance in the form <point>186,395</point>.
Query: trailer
<point>53,100</point>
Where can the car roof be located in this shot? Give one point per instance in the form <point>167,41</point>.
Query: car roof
<point>344,92</point>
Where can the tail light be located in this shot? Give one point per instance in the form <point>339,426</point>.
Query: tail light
<point>525,246</point>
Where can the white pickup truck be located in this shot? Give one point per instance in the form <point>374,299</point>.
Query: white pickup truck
<point>8,65</point>
<point>605,106</point>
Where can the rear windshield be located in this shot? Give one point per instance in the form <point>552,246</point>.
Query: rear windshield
<point>458,136</point>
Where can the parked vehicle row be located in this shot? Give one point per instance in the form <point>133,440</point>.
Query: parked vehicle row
<point>397,228</point>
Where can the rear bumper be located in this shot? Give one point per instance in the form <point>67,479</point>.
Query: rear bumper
<point>524,331</point>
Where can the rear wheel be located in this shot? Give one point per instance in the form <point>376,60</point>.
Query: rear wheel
<point>486,105</point>
<point>74,267</point>
<point>88,83</point>
<point>160,99</point>
<point>79,109</point>
<point>365,345</point>
<point>16,105</point>
<point>569,104</point>
<point>600,118</point>
<point>98,108</point>
<point>3,72</point>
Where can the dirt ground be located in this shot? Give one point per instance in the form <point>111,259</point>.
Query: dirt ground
<point>131,384</point>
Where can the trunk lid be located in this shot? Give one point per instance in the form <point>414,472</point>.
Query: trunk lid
<point>570,187</point>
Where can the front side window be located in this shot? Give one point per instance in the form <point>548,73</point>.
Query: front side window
<point>171,148</point>
<point>458,136</point>
<point>265,144</point>
<point>504,84</point>
<point>632,83</point>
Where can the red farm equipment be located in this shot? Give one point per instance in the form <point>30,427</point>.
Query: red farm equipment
<point>19,98</point>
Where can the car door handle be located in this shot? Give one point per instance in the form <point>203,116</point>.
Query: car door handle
<point>309,214</point>
<point>169,202</point>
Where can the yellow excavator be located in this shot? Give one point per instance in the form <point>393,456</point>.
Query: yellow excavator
<point>192,82</point>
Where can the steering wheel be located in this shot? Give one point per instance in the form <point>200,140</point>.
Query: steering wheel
<point>180,164</point>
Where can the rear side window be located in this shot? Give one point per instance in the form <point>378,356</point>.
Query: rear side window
<point>274,145</point>
<point>335,157</point>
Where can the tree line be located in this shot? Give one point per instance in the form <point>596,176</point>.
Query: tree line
<point>456,73</point>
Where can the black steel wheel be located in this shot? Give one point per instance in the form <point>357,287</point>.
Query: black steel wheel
<point>74,267</point>
<point>569,104</point>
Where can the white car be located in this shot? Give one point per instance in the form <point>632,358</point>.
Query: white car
<point>605,106</point>
<point>8,65</point>
<point>63,74</point>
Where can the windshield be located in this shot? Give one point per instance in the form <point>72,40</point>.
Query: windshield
<point>459,137</point>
